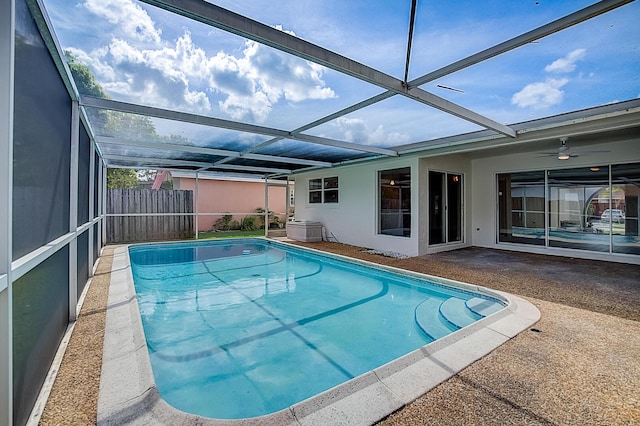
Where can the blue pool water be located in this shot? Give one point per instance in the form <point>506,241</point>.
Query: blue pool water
<point>243,328</point>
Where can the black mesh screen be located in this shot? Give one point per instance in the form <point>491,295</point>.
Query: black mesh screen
<point>40,317</point>
<point>96,184</point>
<point>96,243</point>
<point>41,150</point>
<point>84,158</point>
<point>83,260</point>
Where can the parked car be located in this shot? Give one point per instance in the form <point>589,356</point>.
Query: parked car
<point>614,215</point>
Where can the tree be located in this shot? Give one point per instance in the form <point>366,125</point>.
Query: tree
<point>108,123</point>
<point>85,81</point>
<point>122,179</point>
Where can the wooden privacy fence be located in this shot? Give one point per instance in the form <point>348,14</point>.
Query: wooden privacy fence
<point>137,215</point>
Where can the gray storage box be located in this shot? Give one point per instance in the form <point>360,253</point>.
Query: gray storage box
<point>304,230</point>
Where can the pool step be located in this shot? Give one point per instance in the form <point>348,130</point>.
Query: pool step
<point>428,319</point>
<point>455,312</point>
<point>483,307</point>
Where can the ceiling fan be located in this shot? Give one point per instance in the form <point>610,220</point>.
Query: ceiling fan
<point>565,153</point>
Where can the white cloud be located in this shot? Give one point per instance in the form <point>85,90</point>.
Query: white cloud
<point>127,17</point>
<point>182,75</point>
<point>566,64</point>
<point>541,94</point>
<point>547,93</point>
<point>356,130</point>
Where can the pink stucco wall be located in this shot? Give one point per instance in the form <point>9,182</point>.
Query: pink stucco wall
<point>235,197</point>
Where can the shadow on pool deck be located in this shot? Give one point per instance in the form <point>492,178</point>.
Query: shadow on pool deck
<point>578,365</point>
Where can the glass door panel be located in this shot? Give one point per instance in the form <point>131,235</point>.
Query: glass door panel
<point>521,208</point>
<point>445,207</point>
<point>578,202</point>
<point>436,208</point>
<point>623,216</point>
<point>454,208</point>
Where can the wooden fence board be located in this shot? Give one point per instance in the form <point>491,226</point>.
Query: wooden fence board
<point>127,229</point>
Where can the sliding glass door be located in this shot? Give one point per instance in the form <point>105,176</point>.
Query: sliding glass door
<point>587,208</point>
<point>445,207</point>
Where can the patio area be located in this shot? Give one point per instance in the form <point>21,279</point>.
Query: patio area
<point>577,365</point>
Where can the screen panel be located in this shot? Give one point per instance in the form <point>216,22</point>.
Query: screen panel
<point>83,261</point>
<point>42,147</point>
<point>84,158</point>
<point>40,318</point>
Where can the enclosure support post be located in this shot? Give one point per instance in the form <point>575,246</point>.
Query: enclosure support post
<point>196,207</point>
<point>103,211</point>
<point>73,210</point>
<point>7,52</point>
<point>266,206</point>
<point>99,201</point>
<point>287,203</point>
<point>92,195</point>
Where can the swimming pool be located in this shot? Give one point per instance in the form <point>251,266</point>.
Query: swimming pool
<point>326,338</point>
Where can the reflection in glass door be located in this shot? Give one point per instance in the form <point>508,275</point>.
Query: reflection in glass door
<point>445,207</point>
<point>577,200</point>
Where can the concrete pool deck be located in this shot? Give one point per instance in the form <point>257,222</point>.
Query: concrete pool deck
<point>128,394</point>
<point>580,367</point>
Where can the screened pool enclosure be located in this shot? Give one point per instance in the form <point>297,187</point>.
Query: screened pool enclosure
<point>503,96</point>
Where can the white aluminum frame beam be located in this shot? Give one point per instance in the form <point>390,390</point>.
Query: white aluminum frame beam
<point>103,140</point>
<point>90,101</point>
<point>506,46</point>
<point>162,163</point>
<point>73,210</point>
<point>7,53</point>
<point>523,39</point>
<point>92,201</point>
<point>234,23</point>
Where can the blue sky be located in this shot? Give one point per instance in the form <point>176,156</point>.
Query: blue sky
<point>142,54</point>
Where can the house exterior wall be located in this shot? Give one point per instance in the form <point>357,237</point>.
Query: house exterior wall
<point>239,198</point>
<point>353,220</point>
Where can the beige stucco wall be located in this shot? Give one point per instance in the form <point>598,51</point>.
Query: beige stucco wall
<point>239,198</point>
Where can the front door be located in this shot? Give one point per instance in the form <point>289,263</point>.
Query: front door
<point>445,207</point>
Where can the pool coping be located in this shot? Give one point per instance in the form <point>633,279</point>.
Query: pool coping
<point>128,394</point>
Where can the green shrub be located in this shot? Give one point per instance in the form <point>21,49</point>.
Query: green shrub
<point>225,223</point>
<point>249,223</point>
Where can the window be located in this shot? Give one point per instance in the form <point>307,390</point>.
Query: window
<point>394,214</point>
<point>323,190</point>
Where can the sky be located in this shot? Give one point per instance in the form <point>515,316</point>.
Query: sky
<point>142,54</point>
